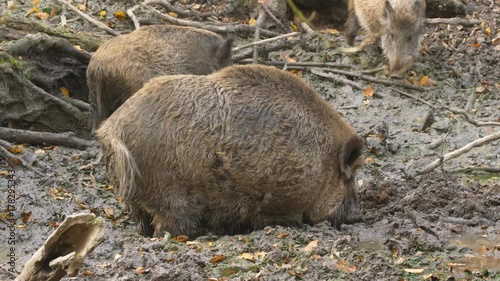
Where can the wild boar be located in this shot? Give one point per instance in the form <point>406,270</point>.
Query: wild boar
<point>400,23</point>
<point>122,65</point>
<point>231,152</point>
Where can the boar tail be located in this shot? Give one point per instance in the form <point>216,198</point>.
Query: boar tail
<point>223,53</point>
<point>125,169</point>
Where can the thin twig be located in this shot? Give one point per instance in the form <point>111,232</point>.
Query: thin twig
<point>131,15</point>
<point>301,64</point>
<point>457,21</point>
<point>414,97</point>
<point>337,79</point>
<point>469,119</point>
<point>255,49</point>
<point>454,154</point>
<point>91,20</point>
<point>183,13</point>
<point>375,80</point>
<point>227,28</point>
<point>493,170</point>
<point>276,46</point>
<point>269,40</point>
<point>375,70</point>
<point>269,13</point>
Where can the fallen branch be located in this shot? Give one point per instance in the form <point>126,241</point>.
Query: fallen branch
<point>492,170</point>
<point>375,80</point>
<point>180,12</point>
<point>226,28</point>
<point>24,136</point>
<point>454,154</point>
<point>300,64</point>
<point>89,19</point>
<point>265,41</point>
<point>457,21</point>
<point>453,110</point>
<point>273,17</point>
<point>77,103</point>
<point>337,79</point>
<point>132,16</point>
<point>469,119</point>
<point>276,46</point>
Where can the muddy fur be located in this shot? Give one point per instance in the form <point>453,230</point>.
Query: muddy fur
<point>122,65</point>
<point>231,152</point>
<point>399,23</point>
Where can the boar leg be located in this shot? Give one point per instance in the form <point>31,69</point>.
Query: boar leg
<point>351,26</point>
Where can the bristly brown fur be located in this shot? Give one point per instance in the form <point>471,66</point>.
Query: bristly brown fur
<point>231,152</point>
<point>122,65</point>
<point>400,23</point>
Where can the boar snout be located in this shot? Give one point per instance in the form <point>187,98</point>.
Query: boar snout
<point>399,64</point>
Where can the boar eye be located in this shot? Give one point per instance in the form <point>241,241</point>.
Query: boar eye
<point>409,38</point>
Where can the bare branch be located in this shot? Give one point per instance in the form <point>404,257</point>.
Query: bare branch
<point>261,42</point>
<point>170,8</point>
<point>226,28</point>
<point>337,79</point>
<point>24,136</point>
<point>375,80</point>
<point>454,154</point>
<point>131,15</point>
<point>89,19</point>
<point>457,21</point>
<point>469,119</point>
<point>300,64</point>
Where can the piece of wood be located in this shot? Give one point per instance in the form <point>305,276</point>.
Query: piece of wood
<point>31,137</point>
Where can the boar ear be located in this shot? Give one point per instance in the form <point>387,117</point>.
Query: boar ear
<point>388,11</point>
<point>223,53</point>
<point>350,156</point>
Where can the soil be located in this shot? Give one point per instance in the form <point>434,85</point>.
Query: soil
<point>444,225</point>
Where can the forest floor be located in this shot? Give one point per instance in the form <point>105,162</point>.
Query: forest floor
<point>444,225</point>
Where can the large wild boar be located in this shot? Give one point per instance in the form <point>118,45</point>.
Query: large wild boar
<point>231,152</point>
<point>122,65</point>
<point>400,23</point>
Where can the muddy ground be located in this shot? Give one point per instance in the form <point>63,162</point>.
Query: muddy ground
<point>444,225</point>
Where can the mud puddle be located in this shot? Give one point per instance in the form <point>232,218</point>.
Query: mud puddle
<point>486,254</point>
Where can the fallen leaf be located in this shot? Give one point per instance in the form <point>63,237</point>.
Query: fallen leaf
<point>15,161</point>
<point>252,22</point>
<point>121,15</point>
<point>269,231</point>
<point>217,259</point>
<point>11,5</point>
<point>368,92</point>
<point>288,58</point>
<point>476,45</point>
<point>110,213</point>
<point>483,248</point>
<point>102,14</point>
<point>344,266</point>
<point>172,14</point>
<point>480,89</point>
<point>366,102</point>
<point>496,41</point>
<point>487,31</point>
<point>282,235</point>
<point>64,91</point>
<point>261,1</point>
<point>414,270</point>
<point>380,137</point>
<point>369,160</point>
<point>26,217</point>
<point>315,257</point>
<point>87,272</point>
<point>330,31</point>
<point>311,246</point>
<point>140,270</point>
<point>117,257</point>
<point>110,24</point>
<point>260,255</point>
<point>294,27</point>
<point>16,149</point>
<point>35,3</point>
<point>180,238</point>
<point>82,7</point>
<point>4,173</point>
<point>31,11</point>
<point>423,80</point>
<point>247,256</point>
